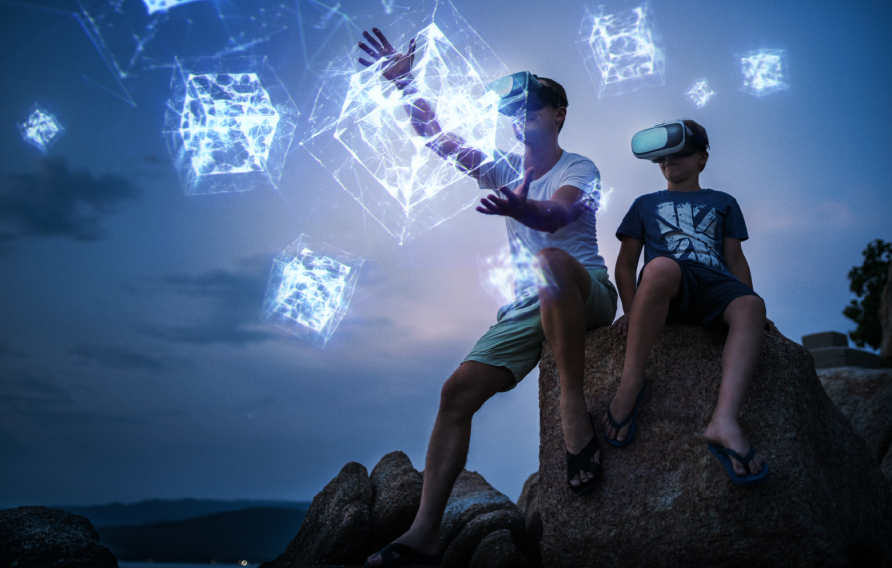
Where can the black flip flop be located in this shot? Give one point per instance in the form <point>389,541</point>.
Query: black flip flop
<point>583,462</point>
<point>406,556</point>
<point>633,417</point>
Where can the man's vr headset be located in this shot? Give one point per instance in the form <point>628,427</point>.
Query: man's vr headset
<point>523,91</point>
<point>666,139</point>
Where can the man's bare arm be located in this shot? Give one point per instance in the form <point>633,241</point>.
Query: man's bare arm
<point>397,68</point>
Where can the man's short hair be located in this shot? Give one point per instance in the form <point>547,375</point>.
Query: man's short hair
<point>561,92</point>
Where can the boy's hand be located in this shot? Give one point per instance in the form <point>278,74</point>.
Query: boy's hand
<point>515,203</point>
<point>621,325</point>
<point>771,328</point>
<point>395,66</point>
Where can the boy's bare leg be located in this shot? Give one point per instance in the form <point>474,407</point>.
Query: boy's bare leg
<point>462,395</point>
<point>659,284</point>
<point>562,304</point>
<point>745,317</point>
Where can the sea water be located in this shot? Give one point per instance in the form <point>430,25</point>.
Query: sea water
<point>179,565</point>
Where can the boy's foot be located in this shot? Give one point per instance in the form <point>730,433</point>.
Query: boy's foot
<point>418,547</point>
<point>728,434</point>
<point>622,406</point>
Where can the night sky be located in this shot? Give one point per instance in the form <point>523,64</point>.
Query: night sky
<point>133,360</point>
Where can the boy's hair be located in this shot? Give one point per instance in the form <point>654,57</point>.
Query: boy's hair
<point>561,92</point>
<point>700,139</point>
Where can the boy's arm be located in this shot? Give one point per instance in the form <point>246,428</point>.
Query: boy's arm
<point>739,267</point>
<point>397,68</point>
<point>625,274</point>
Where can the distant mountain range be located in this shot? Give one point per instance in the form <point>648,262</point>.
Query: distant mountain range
<point>196,530</point>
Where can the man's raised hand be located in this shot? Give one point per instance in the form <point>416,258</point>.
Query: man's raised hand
<point>396,66</point>
<point>515,202</point>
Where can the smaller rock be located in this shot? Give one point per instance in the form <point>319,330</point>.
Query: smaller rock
<point>397,496</point>
<point>39,537</point>
<point>464,546</point>
<point>471,496</point>
<point>337,528</point>
<point>529,504</point>
<point>498,550</point>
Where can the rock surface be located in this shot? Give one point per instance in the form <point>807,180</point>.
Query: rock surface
<point>886,320</point>
<point>38,537</point>
<point>666,501</point>
<point>337,528</point>
<point>498,550</point>
<point>864,396</point>
<point>397,496</point>
<point>529,504</point>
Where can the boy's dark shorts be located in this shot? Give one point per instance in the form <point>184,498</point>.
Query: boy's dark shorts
<point>703,295</point>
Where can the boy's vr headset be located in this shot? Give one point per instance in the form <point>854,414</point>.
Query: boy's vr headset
<point>522,91</point>
<point>665,139</point>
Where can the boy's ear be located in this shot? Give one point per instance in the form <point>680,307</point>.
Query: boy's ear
<point>704,157</point>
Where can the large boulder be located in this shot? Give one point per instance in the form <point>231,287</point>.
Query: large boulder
<point>337,528</point>
<point>397,496</point>
<point>864,396</point>
<point>40,537</point>
<point>666,501</point>
<point>886,320</point>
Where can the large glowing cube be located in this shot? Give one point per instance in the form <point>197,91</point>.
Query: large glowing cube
<point>40,129</point>
<point>310,287</point>
<point>621,50</point>
<point>373,151</point>
<point>700,93</point>
<point>229,131</point>
<point>764,71</point>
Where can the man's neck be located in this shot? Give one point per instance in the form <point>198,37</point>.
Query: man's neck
<point>542,157</point>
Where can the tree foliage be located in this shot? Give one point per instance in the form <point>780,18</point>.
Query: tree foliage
<point>867,282</point>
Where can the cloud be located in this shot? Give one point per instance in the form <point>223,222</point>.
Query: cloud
<point>58,202</point>
<point>235,299</point>
<point>119,358</point>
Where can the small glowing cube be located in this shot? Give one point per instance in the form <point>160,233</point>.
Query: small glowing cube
<point>163,5</point>
<point>309,289</point>
<point>764,71</point>
<point>40,129</point>
<point>700,93</point>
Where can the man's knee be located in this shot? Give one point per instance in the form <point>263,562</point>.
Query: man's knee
<point>560,273</point>
<point>471,385</point>
<point>662,274</point>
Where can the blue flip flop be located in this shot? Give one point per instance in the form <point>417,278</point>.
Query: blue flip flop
<point>750,479</point>
<point>633,417</point>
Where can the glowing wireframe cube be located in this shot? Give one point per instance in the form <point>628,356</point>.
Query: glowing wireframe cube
<point>229,131</point>
<point>622,51</point>
<point>309,289</point>
<point>163,5</point>
<point>40,129</point>
<point>700,93</point>
<point>764,71</point>
<point>373,151</point>
<point>512,274</point>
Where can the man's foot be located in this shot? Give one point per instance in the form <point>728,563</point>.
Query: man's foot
<point>728,434</point>
<point>586,465</point>
<point>577,435</point>
<point>417,549</point>
<point>623,406</point>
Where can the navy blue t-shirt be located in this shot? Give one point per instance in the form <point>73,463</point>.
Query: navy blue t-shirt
<point>687,225</point>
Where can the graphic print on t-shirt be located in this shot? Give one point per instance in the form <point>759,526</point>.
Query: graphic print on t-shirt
<point>683,238</point>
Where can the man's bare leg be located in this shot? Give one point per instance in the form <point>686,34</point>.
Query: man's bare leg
<point>562,304</point>
<point>462,395</point>
<point>659,284</point>
<point>745,317</point>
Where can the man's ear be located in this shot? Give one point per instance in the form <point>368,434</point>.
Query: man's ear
<point>560,115</point>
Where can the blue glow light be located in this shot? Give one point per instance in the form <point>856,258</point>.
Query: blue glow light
<point>764,71</point>
<point>40,129</point>
<point>621,50</point>
<point>163,5</point>
<point>379,158</point>
<point>310,287</point>
<point>507,277</point>
<point>229,131</point>
<point>700,93</point>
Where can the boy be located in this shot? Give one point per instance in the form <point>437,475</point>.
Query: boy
<point>694,272</point>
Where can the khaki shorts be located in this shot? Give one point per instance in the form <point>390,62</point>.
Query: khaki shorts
<point>515,341</point>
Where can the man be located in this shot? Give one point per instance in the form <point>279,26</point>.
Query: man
<point>549,217</point>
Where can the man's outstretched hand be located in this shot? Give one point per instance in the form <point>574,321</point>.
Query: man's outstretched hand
<point>515,202</point>
<point>395,66</point>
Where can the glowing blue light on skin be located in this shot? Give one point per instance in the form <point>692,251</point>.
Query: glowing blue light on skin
<point>40,129</point>
<point>700,93</point>
<point>764,71</point>
<point>379,158</point>
<point>163,5</point>
<point>229,131</point>
<point>310,287</point>
<point>621,51</point>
